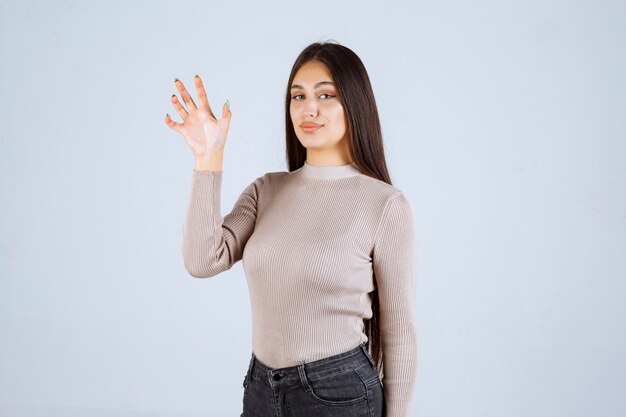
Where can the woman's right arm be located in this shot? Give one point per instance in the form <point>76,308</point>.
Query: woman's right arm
<point>212,243</point>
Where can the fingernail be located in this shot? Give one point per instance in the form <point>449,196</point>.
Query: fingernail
<point>228,104</point>
<point>197,76</point>
<point>175,79</point>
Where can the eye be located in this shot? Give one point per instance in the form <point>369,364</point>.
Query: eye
<point>323,94</point>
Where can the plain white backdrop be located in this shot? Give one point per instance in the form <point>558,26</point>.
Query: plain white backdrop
<point>503,123</point>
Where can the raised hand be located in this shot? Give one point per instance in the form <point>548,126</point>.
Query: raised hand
<point>205,135</point>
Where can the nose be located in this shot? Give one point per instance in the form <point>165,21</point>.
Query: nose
<point>310,108</point>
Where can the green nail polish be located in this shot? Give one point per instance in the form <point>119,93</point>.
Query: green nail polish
<point>228,104</point>
<point>175,79</point>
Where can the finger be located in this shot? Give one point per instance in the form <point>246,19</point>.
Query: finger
<point>226,113</point>
<point>185,95</point>
<point>172,124</point>
<point>202,98</point>
<point>179,107</point>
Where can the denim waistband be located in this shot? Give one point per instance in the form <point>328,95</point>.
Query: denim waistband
<point>352,359</point>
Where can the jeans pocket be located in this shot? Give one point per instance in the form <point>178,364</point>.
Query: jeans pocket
<point>340,388</point>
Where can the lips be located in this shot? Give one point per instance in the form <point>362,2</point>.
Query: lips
<point>309,125</point>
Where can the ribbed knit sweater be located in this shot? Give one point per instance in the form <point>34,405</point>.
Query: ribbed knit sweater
<point>315,242</point>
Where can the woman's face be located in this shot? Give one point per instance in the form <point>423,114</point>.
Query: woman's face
<point>314,100</point>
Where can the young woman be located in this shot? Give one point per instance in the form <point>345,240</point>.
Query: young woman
<point>328,247</point>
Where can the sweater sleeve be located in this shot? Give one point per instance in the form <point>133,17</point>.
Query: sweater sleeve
<point>212,243</point>
<point>393,261</point>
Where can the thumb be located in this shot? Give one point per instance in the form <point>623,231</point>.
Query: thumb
<point>226,113</point>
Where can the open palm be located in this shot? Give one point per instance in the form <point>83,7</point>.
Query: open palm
<point>204,134</point>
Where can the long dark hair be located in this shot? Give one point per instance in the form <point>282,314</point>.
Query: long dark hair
<point>365,140</point>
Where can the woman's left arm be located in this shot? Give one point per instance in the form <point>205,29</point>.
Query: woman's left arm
<point>394,266</point>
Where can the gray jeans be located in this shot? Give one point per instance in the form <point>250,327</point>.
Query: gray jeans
<point>346,385</point>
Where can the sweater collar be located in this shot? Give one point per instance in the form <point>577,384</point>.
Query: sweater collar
<point>329,171</point>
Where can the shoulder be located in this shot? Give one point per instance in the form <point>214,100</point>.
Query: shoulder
<point>267,181</point>
<point>272,177</point>
<point>399,205</point>
<point>396,222</point>
<point>379,187</point>
<point>385,196</point>
<point>269,177</point>
<point>393,205</point>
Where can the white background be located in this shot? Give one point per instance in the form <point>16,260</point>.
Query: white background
<point>503,123</point>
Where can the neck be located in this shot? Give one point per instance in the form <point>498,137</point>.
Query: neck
<point>329,172</point>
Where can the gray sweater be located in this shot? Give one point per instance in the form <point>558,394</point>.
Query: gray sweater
<point>314,243</point>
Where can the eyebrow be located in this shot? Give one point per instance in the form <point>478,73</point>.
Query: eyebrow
<point>315,86</point>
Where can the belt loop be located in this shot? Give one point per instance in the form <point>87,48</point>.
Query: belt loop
<point>367,355</point>
<point>303,378</point>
